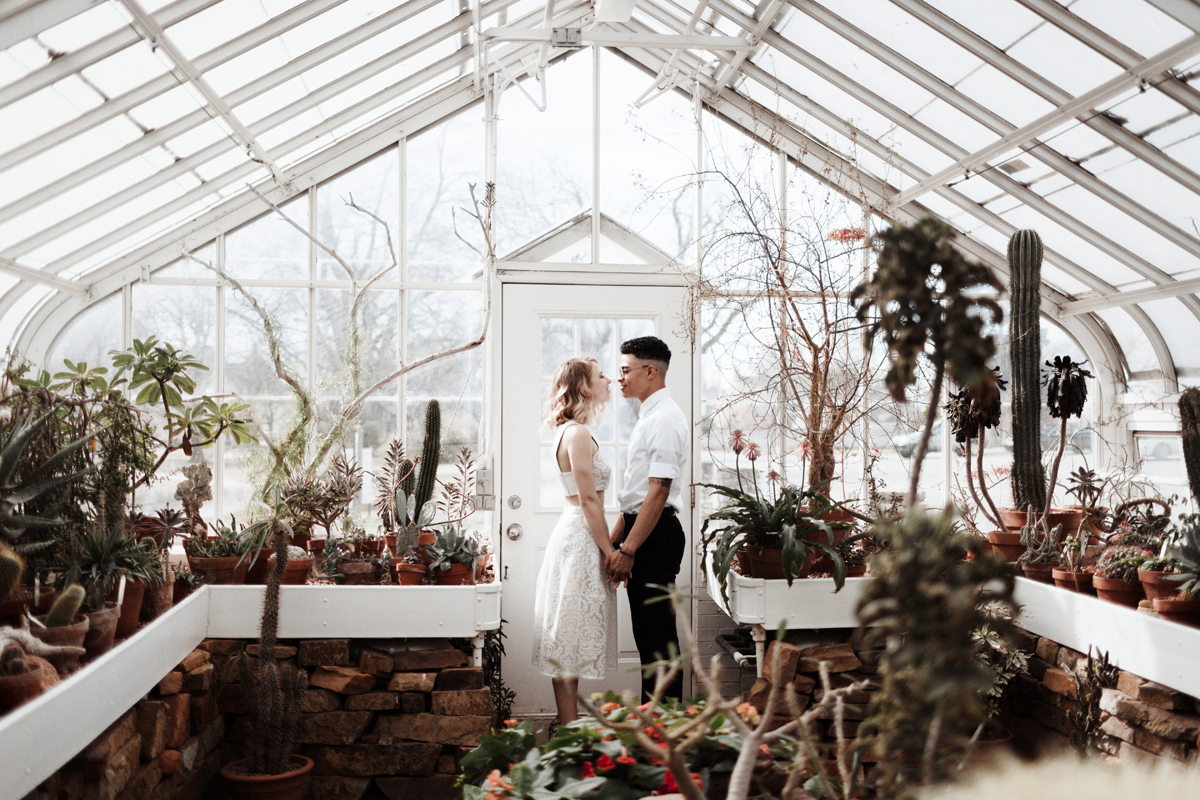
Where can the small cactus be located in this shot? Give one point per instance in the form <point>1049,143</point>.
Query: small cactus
<point>1189,423</point>
<point>430,454</point>
<point>408,481</point>
<point>11,567</point>
<point>65,607</point>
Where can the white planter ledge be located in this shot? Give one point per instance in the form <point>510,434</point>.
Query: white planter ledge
<point>44,734</point>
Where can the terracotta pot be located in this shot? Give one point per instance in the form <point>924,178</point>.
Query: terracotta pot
<point>1038,572</point>
<point>179,592</point>
<point>1070,519</point>
<point>408,574</point>
<point>1073,581</point>
<point>226,570</point>
<point>390,540</point>
<point>18,689</point>
<point>71,635</point>
<point>856,570</point>
<point>357,573</point>
<point>991,751</point>
<point>1116,590</point>
<point>296,572</point>
<point>1088,521</point>
<point>131,606</point>
<point>767,563</point>
<point>457,575</point>
<point>287,786</point>
<point>159,599</point>
<point>257,574</point>
<point>372,547</point>
<point>20,600</point>
<point>820,562</point>
<point>102,629</point>
<point>1185,612</point>
<point>1156,585</point>
<point>424,539</point>
<point>1005,544</point>
<point>301,536</point>
<point>316,546</point>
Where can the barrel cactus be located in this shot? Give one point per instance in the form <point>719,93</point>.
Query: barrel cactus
<point>1025,352</point>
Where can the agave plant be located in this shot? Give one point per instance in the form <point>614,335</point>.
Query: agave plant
<point>15,493</point>
<point>451,547</point>
<point>97,559</point>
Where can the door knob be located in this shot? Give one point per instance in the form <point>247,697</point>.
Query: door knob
<point>514,531</point>
<point>514,502</point>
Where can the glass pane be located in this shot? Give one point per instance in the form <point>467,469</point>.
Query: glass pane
<point>248,364</point>
<point>370,246</point>
<point>1161,456</point>
<point>90,335</point>
<point>441,165</point>
<point>558,343</point>
<point>269,247</point>
<point>597,339</point>
<point>184,317</point>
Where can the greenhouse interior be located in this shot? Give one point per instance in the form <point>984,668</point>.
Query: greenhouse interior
<point>356,350</point>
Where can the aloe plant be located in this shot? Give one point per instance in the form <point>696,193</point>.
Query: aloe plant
<point>15,493</point>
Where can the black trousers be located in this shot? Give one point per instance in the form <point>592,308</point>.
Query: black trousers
<point>656,563</point>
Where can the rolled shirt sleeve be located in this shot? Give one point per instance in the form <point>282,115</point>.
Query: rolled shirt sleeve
<point>668,447</point>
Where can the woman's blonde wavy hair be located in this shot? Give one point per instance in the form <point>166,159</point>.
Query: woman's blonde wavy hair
<point>569,397</point>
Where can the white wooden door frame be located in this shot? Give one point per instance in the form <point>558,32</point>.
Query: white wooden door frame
<point>492,436</point>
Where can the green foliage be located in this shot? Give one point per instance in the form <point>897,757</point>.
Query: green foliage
<point>1186,552</point>
<point>791,522</point>
<point>452,547</point>
<point>21,485</point>
<point>503,697</point>
<point>430,453</point>
<point>1066,390</point>
<point>971,411</point>
<point>1040,547</point>
<point>998,652</point>
<point>922,609</point>
<point>65,607</point>
<point>99,558</point>
<point>923,294</point>
<point>408,522</point>
<point>1189,428</point>
<point>228,542</point>
<point>585,759</point>
<point>1084,714</point>
<point>1025,353</point>
<point>1121,561</point>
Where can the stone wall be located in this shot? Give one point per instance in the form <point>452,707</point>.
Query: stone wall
<point>1138,719</point>
<point>391,717</point>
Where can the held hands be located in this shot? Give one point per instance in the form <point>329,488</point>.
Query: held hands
<point>619,566</point>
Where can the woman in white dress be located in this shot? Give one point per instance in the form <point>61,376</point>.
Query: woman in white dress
<point>575,610</point>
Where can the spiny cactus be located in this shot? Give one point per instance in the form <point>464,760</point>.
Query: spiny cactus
<point>1189,422</point>
<point>11,567</point>
<point>430,454</point>
<point>408,481</point>
<point>65,607</point>
<point>275,692</point>
<point>1025,352</point>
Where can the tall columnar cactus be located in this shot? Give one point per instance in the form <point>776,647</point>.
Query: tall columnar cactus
<point>1025,352</point>
<point>11,567</point>
<point>1189,422</point>
<point>430,454</point>
<point>65,607</point>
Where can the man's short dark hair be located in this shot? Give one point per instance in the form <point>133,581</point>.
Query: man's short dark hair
<point>647,348</point>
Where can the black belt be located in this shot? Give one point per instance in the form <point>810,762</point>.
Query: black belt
<point>667,510</point>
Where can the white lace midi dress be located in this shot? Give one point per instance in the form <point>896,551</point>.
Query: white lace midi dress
<point>575,612</point>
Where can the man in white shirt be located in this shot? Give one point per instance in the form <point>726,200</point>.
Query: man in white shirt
<point>648,536</point>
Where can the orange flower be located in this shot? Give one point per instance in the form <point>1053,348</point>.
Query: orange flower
<point>497,786</point>
<point>509,723</point>
<point>749,713</point>
<point>610,707</point>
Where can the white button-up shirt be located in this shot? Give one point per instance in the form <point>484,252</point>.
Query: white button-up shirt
<point>658,448</point>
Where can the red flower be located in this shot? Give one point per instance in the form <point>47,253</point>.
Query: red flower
<point>588,770</point>
<point>804,449</point>
<point>626,760</point>
<point>737,442</point>
<point>696,779</point>
<point>752,451</point>
<point>772,475</point>
<point>669,782</point>
<point>604,763</point>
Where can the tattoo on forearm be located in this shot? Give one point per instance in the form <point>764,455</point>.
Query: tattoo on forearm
<point>663,482</point>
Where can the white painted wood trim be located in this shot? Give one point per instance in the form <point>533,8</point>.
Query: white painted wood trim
<point>44,734</point>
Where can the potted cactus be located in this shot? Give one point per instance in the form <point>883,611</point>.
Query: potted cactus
<point>65,627</point>
<point>453,558</point>
<point>409,567</point>
<point>274,691</point>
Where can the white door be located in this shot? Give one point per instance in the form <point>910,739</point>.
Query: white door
<point>543,326</point>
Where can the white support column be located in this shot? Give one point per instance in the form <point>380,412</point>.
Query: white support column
<point>218,467</point>
<point>595,155</point>
<point>781,162</point>
<point>402,295</point>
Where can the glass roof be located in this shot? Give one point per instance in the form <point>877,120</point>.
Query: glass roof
<point>126,126</point>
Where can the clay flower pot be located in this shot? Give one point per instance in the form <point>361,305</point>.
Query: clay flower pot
<point>1073,581</point>
<point>18,689</point>
<point>767,562</point>
<point>856,570</point>
<point>424,539</point>
<point>101,630</point>
<point>1006,544</point>
<point>159,599</point>
<point>131,606</point>
<point>457,575</point>
<point>221,570</point>
<point>257,573</point>
<point>1156,584</point>
<point>357,573</point>
<point>409,574</point>
<point>1116,590</point>
<point>1038,572</point>
<point>20,600</point>
<point>71,635</point>
<point>1069,518</point>
<point>1175,609</point>
<point>296,572</point>
<point>287,786</point>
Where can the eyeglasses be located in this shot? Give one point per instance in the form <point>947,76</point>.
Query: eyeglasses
<point>627,370</point>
